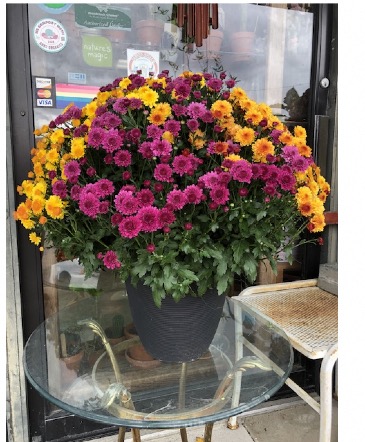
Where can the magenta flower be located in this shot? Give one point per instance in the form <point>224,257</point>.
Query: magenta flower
<point>111,260</point>
<point>104,187</point>
<point>145,150</point>
<point>173,126</point>
<point>177,199</point>
<point>286,180</point>
<point>194,194</point>
<point>149,217</point>
<point>96,136</point>
<point>112,141</point>
<point>123,158</point>
<point>196,110</point>
<point>110,120</point>
<point>89,204</point>
<point>166,216</point>
<point>219,195</point>
<point>181,164</point>
<point>126,203</point>
<point>163,172</point>
<point>151,248</point>
<point>154,131</point>
<point>130,227</point>
<point>145,197</point>
<point>241,171</point>
<point>161,147</point>
<point>59,188</point>
<point>72,170</point>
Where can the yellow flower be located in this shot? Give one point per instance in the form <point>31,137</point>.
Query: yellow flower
<point>148,96</point>
<point>57,137</point>
<point>300,132</point>
<point>261,149</point>
<point>38,205</point>
<point>39,189</point>
<point>197,139</point>
<point>90,109</point>
<point>245,136</point>
<point>124,83</point>
<point>34,238</point>
<point>54,207</point>
<point>167,135</point>
<point>22,212</point>
<point>253,115</point>
<point>52,156</point>
<point>286,137</point>
<point>221,108</point>
<point>38,169</point>
<point>317,223</point>
<point>28,224</point>
<point>159,114</point>
<point>77,148</point>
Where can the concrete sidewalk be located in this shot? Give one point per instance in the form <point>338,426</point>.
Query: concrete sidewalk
<point>286,420</point>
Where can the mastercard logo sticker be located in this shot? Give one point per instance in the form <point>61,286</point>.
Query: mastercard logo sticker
<point>44,93</point>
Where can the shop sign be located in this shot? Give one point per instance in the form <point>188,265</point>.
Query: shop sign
<point>44,94</point>
<point>145,61</point>
<point>97,51</point>
<point>101,17</point>
<point>50,35</point>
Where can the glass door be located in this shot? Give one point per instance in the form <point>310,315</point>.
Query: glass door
<point>70,50</point>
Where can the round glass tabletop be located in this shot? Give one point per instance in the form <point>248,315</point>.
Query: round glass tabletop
<point>248,361</point>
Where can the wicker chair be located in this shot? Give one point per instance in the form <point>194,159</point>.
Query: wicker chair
<point>308,315</point>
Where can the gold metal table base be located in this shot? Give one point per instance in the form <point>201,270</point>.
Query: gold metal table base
<point>183,434</point>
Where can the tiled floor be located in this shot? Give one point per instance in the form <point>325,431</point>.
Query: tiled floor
<point>289,420</point>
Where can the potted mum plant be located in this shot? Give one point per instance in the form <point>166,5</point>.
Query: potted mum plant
<point>178,184</point>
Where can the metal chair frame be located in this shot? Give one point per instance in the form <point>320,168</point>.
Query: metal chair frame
<point>308,316</point>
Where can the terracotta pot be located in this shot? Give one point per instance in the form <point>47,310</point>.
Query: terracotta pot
<point>212,44</point>
<point>136,352</point>
<point>70,367</point>
<point>149,32</point>
<point>241,45</point>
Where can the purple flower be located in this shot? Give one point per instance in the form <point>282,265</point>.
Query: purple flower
<point>215,84</point>
<point>104,187</point>
<point>301,164</point>
<point>96,136</point>
<point>75,192</point>
<point>286,180</point>
<point>126,203</point>
<point>193,125</point>
<point>123,158</point>
<point>130,227</point>
<point>89,203</point>
<point>145,197</point>
<point>145,150</point>
<point>219,194</point>
<point>111,261</point>
<point>110,120</point>
<point>194,194</point>
<point>59,188</point>
<point>173,126</point>
<point>112,140</point>
<point>176,199</point>
<point>196,110</point>
<point>161,147</point>
<point>72,169</point>
<point>241,171</point>
<point>149,217</point>
<point>181,164</point>
<point>154,131</point>
<point>166,216</point>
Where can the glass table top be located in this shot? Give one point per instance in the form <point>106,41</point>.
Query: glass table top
<point>248,360</point>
